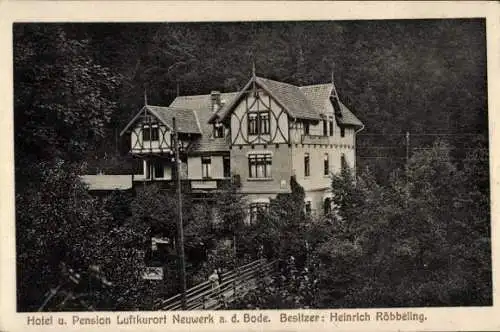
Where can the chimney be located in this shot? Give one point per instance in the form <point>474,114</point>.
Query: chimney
<point>215,101</point>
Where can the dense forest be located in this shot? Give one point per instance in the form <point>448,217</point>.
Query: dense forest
<point>77,85</point>
<point>426,77</point>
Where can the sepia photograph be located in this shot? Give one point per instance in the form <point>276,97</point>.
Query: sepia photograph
<point>251,165</point>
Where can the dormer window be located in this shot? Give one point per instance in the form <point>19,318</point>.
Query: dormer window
<point>150,133</point>
<point>218,130</point>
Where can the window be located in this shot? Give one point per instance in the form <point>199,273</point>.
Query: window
<point>154,134</point>
<point>252,124</point>
<point>150,133</point>
<point>258,123</point>
<point>154,170</point>
<point>259,165</point>
<point>343,162</point>
<point>264,122</point>
<point>326,164</point>
<point>306,128</point>
<point>226,165</point>
<point>147,173</point>
<point>218,130</point>
<point>325,128</point>
<point>307,166</point>
<point>257,210</point>
<point>307,208</point>
<point>158,169</point>
<point>205,167</point>
<point>146,133</point>
<point>342,131</point>
<point>331,127</point>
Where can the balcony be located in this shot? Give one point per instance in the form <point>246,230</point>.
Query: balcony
<point>315,139</point>
<point>187,184</point>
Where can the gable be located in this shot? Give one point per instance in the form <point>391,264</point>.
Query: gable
<point>137,118</point>
<point>288,96</point>
<point>186,120</point>
<point>258,119</point>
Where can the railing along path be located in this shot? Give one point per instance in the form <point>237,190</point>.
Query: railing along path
<point>234,283</point>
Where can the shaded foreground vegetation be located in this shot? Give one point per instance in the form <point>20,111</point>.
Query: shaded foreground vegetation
<point>422,240</point>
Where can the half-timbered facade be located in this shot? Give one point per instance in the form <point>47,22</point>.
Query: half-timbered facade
<point>259,137</point>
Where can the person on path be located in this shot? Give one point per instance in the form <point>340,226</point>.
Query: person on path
<point>214,280</point>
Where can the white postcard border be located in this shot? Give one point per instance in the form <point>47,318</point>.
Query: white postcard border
<point>443,319</point>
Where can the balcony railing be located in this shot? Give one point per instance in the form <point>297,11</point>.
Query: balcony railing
<point>190,184</point>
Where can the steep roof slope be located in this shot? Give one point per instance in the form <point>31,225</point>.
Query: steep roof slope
<point>292,98</point>
<point>319,95</point>
<point>186,119</point>
<point>201,105</point>
<point>348,118</point>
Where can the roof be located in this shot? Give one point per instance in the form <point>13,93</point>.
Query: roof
<point>319,95</point>
<point>290,97</point>
<point>186,119</point>
<point>348,118</point>
<point>107,182</point>
<point>305,102</point>
<point>201,105</point>
<point>194,114</point>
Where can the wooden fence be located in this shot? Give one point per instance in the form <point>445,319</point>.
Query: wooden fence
<point>234,283</point>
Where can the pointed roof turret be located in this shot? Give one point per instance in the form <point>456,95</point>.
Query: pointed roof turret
<point>334,97</point>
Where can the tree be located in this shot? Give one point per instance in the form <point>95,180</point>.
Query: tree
<point>284,232</point>
<point>407,244</point>
<point>280,229</point>
<point>61,204</point>
<point>63,98</point>
<point>224,236</point>
<point>447,227</point>
<point>62,102</point>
